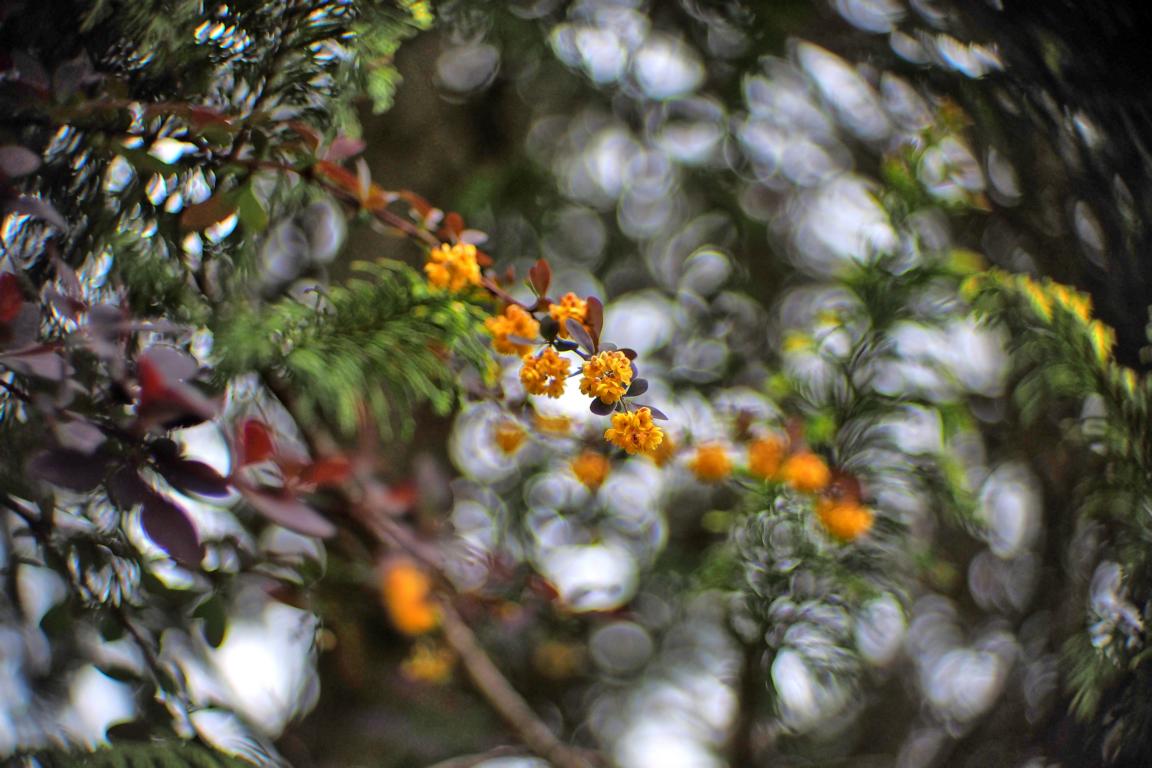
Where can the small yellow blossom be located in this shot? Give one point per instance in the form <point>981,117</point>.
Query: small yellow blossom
<point>806,472</point>
<point>553,425</point>
<point>607,376</point>
<point>544,374</point>
<point>407,595</point>
<point>509,436</point>
<point>429,663</point>
<point>516,321</point>
<point>664,452</point>
<point>1102,338</point>
<point>569,306</point>
<point>453,267</point>
<point>711,463</point>
<point>765,455</point>
<point>1073,301</point>
<point>591,468</point>
<point>634,431</point>
<point>797,341</point>
<point>845,519</point>
<point>558,660</point>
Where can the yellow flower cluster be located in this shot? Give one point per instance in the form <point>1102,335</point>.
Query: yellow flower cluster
<point>607,376</point>
<point>453,267</point>
<point>569,306</point>
<point>406,592</point>
<point>634,431</point>
<point>711,464</point>
<point>515,321</point>
<point>544,374</point>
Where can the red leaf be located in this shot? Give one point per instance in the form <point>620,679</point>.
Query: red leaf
<point>327,472</point>
<point>212,211</point>
<point>254,443</point>
<point>594,317</point>
<point>168,525</point>
<point>453,225</point>
<point>288,511</point>
<point>540,277</point>
<point>153,384</point>
<point>11,297</point>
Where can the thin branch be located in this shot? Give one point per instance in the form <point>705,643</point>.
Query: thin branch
<point>507,702</point>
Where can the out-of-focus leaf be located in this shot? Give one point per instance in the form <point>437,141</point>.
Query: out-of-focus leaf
<point>41,362</point>
<point>80,435</point>
<point>17,161</point>
<point>212,211</point>
<point>168,525</point>
<point>343,148</point>
<point>284,509</point>
<point>126,488</point>
<point>191,476</point>
<point>215,618</point>
<point>69,469</point>
<point>37,208</point>
<point>11,297</point>
<point>330,471</point>
<point>251,211</point>
<point>254,443</point>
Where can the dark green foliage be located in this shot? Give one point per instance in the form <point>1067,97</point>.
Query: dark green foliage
<point>127,755</point>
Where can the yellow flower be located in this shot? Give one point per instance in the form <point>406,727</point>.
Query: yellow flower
<point>553,425</point>
<point>515,321</point>
<point>591,468</point>
<point>711,463</point>
<point>664,452</point>
<point>569,306</point>
<point>558,660</point>
<point>1102,338</point>
<point>509,436</point>
<point>845,519</point>
<point>429,663</point>
<point>607,375</point>
<point>544,374</point>
<point>407,595</point>
<point>1073,301</point>
<point>806,472</point>
<point>765,455</point>
<point>634,431</point>
<point>453,267</point>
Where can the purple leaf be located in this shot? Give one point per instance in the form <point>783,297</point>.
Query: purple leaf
<point>191,476</point>
<point>69,469</point>
<point>639,387</point>
<point>80,435</point>
<point>579,333</point>
<point>601,408</point>
<point>656,412</point>
<point>37,208</point>
<point>168,525</point>
<point>284,509</point>
<point>17,161</point>
<point>41,362</point>
<point>172,363</point>
<point>127,489</point>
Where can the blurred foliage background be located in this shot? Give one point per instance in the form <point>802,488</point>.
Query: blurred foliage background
<point>830,231</point>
